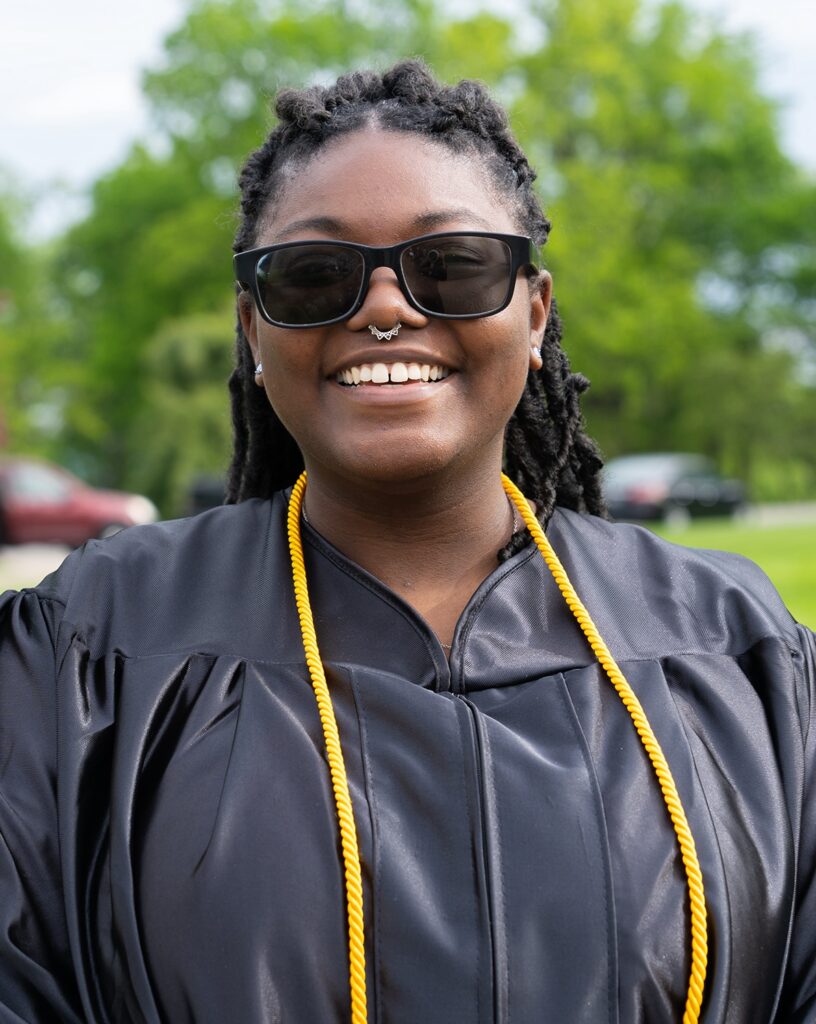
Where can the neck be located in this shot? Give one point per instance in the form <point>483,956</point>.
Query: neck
<point>432,542</point>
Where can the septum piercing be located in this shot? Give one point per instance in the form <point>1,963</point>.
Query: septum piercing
<point>385,335</point>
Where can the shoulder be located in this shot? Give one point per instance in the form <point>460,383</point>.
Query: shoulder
<point>667,597</point>
<point>148,585</point>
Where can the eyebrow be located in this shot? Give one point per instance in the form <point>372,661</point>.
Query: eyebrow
<point>423,223</point>
<point>438,218</point>
<point>328,225</point>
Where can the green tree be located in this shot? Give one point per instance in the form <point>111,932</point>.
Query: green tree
<point>155,248</point>
<point>34,373</point>
<point>185,420</point>
<point>670,193</point>
<point>684,270</point>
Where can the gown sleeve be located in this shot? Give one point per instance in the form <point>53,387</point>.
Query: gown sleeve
<point>37,982</point>
<point>799,996</point>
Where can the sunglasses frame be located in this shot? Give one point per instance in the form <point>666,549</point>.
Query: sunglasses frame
<point>523,253</point>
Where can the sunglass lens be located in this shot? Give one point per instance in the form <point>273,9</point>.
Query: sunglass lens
<point>459,275</point>
<point>309,284</point>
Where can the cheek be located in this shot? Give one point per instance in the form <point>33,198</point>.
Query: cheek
<point>289,378</point>
<point>505,358</point>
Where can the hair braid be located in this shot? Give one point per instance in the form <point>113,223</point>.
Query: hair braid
<point>547,452</point>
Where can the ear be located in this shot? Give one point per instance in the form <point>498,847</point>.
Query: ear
<point>540,301</point>
<point>248,316</point>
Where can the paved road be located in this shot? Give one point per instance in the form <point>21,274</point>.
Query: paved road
<point>792,513</point>
<point>26,564</point>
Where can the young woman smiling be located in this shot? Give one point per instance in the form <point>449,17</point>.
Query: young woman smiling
<point>350,748</point>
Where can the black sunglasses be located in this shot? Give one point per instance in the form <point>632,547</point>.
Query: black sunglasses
<point>458,275</point>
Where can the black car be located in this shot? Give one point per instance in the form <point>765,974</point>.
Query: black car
<point>671,487</point>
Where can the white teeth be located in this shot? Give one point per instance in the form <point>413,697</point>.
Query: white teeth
<point>396,373</point>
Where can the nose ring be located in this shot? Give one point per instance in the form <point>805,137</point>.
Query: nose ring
<point>385,335</point>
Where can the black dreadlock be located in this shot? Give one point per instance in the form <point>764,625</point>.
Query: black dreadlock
<point>547,453</point>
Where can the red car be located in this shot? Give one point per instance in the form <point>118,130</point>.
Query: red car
<point>42,503</point>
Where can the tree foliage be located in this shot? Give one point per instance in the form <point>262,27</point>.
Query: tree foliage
<point>34,381</point>
<point>684,269</point>
<point>185,420</point>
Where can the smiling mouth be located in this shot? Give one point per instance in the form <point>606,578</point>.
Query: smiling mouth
<point>391,373</point>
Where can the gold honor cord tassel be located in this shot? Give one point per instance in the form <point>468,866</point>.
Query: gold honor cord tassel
<point>345,814</point>
<point>694,877</point>
<point>337,767</point>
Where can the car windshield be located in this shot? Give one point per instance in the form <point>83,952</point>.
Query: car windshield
<point>651,467</point>
<point>30,482</point>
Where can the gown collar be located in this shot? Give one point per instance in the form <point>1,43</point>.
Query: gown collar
<point>515,627</point>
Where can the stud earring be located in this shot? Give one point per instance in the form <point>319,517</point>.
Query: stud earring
<point>537,351</point>
<point>259,369</point>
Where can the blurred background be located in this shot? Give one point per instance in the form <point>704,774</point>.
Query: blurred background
<point>676,152</point>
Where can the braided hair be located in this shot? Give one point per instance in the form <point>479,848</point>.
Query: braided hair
<point>547,453</point>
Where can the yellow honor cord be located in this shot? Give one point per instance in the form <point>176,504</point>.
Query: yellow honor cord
<point>694,877</point>
<point>337,766</point>
<point>342,797</point>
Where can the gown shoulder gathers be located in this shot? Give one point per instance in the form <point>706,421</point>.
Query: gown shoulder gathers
<point>168,841</point>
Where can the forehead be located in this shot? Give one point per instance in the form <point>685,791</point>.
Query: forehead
<point>381,186</point>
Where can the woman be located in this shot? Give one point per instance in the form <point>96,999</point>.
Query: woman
<point>185,838</point>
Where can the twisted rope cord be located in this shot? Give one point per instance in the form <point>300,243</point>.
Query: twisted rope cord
<point>345,814</point>
<point>694,877</point>
<point>337,767</point>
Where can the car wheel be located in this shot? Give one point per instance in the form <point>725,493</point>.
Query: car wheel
<point>110,529</point>
<point>676,517</point>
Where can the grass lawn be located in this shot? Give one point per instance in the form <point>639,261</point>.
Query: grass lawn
<point>786,553</point>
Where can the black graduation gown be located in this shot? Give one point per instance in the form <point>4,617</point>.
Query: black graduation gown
<point>168,842</point>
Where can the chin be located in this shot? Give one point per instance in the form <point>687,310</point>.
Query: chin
<point>392,466</point>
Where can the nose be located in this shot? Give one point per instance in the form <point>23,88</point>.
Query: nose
<point>384,304</point>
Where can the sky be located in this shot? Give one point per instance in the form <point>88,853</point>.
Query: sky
<point>71,104</point>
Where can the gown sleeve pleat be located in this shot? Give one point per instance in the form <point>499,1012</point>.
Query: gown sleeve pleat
<point>37,982</point>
